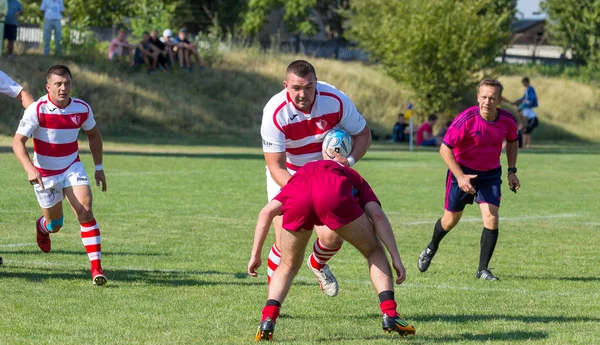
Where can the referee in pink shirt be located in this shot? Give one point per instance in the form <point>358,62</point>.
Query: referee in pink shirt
<point>471,149</point>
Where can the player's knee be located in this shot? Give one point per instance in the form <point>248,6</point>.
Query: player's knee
<point>84,214</point>
<point>450,220</point>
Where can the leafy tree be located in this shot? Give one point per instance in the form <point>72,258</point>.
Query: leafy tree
<point>298,16</point>
<point>575,24</point>
<point>439,48</point>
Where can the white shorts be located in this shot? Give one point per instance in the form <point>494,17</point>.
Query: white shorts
<point>272,187</point>
<point>54,185</point>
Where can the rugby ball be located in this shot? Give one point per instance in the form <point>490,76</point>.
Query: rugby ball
<point>339,141</point>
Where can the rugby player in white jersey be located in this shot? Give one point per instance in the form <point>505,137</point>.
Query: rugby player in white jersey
<point>12,89</point>
<point>56,173</point>
<point>294,125</point>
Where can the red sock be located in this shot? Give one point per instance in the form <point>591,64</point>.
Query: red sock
<point>389,307</point>
<point>270,311</point>
<point>90,236</point>
<point>273,261</point>
<point>321,254</point>
<point>43,226</point>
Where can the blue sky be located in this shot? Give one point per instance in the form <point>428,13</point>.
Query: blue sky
<point>528,7</point>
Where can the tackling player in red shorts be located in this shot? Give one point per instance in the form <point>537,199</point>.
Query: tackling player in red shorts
<point>331,194</point>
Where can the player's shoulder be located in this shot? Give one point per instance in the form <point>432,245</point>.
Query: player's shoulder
<point>328,90</point>
<point>275,107</point>
<point>79,102</point>
<point>506,115</point>
<point>465,116</point>
<point>275,102</point>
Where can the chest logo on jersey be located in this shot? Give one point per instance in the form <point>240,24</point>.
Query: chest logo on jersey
<point>76,119</point>
<point>322,124</point>
<point>293,117</point>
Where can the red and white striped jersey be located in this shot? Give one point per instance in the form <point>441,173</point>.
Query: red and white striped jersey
<point>300,135</point>
<point>55,132</point>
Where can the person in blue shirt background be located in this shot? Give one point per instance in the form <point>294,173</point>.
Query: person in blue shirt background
<point>11,23</point>
<point>529,99</point>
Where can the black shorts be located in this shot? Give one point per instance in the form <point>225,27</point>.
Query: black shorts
<point>10,32</point>
<point>486,184</point>
<point>531,124</point>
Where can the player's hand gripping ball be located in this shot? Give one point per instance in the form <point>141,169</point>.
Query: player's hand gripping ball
<point>339,141</point>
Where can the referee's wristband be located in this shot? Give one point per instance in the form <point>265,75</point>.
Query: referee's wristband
<point>99,167</point>
<point>351,160</point>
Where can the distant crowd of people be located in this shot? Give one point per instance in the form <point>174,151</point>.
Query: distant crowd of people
<point>156,53</point>
<point>525,116</point>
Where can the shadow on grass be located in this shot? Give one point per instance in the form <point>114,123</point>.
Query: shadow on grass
<point>478,318</point>
<point>492,336</point>
<point>81,252</point>
<point>573,279</point>
<point>514,318</point>
<point>174,278</point>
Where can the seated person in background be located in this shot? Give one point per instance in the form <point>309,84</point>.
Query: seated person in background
<point>401,130</point>
<point>167,39</point>
<point>120,47</point>
<point>165,54</point>
<point>184,49</point>
<point>425,133</point>
<point>145,53</point>
<point>532,122</point>
<point>440,134</point>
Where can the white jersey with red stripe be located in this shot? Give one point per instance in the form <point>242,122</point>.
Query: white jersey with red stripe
<point>8,86</point>
<point>300,135</point>
<point>55,130</point>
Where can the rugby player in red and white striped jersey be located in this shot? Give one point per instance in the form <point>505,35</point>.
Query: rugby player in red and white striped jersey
<point>294,124</point>
<point>54,121</point>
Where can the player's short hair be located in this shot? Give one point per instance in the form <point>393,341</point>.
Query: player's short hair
<point>59,70</point>
<point>401,115</point>
<point>301,68</point>
<point>432,117</point>
<point>493,83</point>
<point>525,80</point>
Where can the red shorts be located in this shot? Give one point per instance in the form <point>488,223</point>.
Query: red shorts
<point>327,198</point>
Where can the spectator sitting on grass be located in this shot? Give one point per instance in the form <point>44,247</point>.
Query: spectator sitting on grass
<point>401,130</point>
<point>185,49</point>
<point>425,133</point>
<point>145,53</point>
<point>120,47</point>
<point>165,54</point>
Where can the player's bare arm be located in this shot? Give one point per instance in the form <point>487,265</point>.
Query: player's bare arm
<point>511,156</point>
<point>20,150</point>
<point>464,181</point>
<point>95,142</point>
<point>26,98</point>
<point>384,231</point>
<point>265,217</point>
<point>276,164</point>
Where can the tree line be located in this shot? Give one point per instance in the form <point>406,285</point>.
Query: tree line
<point>439,48</point>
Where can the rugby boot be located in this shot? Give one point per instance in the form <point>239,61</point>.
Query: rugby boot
<point>397,324</point>
<point>326,279</point>
<point>265,330</point>
<point>425,259</point>
<point>486,274</point>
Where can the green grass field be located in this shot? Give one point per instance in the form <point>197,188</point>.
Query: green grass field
<point>177,225</point>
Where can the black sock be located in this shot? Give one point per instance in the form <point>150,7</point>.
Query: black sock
<point>489,238</point>
<point>272,302</point>
<point>438,234</point>
<point>386,296</point>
